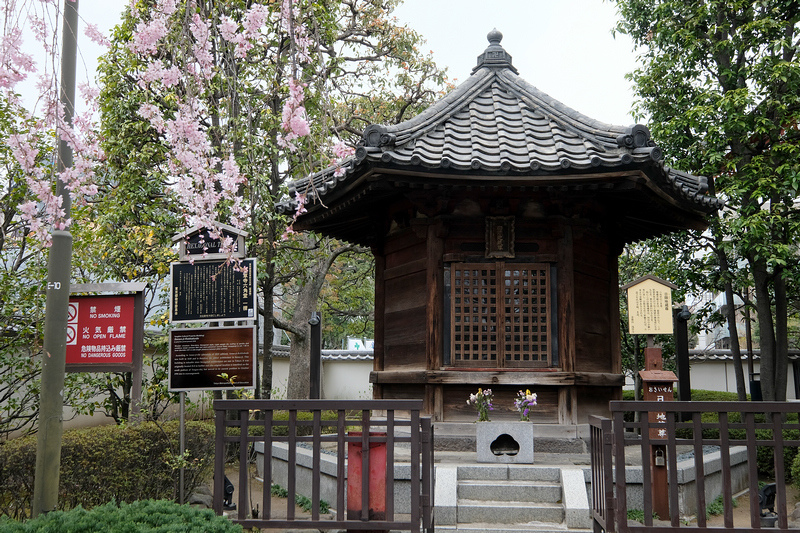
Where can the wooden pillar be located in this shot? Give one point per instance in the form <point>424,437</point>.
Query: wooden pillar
<point>614,335</point>
<point>434,314</point>
<point>566,299</point>
<point>567,396</point>
<point>380,309</point>
<point>568,405</point>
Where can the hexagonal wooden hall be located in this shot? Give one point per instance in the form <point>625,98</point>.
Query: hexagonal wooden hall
<point>496,218</point>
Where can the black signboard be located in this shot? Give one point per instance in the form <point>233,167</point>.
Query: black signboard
<point>212,358</point>
<point>201,243</point>
<point>213,290</point>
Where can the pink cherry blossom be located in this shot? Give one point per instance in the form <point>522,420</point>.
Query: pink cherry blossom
<point>93,33</point>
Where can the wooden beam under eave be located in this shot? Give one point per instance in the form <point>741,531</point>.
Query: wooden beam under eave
<point>488,377</point>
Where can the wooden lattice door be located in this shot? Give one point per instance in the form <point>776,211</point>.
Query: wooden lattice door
<point>500,315</point>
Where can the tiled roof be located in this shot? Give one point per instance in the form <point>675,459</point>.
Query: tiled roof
<point>497,124</point>
<point>726,355</point>
<point>328,355</point>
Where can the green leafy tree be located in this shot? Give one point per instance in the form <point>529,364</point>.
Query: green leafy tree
<point>721,87</point>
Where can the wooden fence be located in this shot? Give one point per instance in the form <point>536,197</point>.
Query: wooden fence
<point>671,427</point>
<point>332,426</point>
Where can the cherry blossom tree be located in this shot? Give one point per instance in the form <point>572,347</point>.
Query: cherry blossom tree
<point>230,100</point>
<point>207,108</point>
<point>37,119</point>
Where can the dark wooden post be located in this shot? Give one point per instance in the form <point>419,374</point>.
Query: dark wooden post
<point>658,387</point>
<point>682,316</point>
<point>434,280</point>
<point>315,380</point>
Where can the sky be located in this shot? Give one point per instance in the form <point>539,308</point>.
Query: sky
<point>563,47</point>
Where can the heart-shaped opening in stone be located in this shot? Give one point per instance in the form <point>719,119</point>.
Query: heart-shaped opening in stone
<point>504,444</point>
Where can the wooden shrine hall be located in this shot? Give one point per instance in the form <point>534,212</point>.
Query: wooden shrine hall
<point>496,218</point>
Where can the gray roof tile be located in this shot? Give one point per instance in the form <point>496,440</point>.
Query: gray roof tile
<point>498,123</point>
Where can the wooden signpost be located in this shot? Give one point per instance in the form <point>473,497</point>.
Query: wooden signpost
<point>650,313</point>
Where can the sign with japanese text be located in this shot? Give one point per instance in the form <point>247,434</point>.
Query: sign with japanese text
<point>212,358</point>
<point>213,290</point>
<point>658,386</point>
<point>650,307</point>
<point>100,329</point>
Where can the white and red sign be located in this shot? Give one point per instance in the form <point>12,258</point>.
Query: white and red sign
<point>100,329</point>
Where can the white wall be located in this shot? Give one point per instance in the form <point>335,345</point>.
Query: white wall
<point>720,375</point>
<point>342,379</point>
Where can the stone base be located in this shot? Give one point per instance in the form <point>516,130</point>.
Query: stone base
<point>504,442</point>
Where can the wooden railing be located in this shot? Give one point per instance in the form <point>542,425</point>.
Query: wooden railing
<point>400,429</point>
<point>752,426</point>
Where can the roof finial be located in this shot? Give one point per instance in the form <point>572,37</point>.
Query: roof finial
<point>494,56</point>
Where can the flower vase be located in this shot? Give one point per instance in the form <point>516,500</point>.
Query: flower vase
<point>504,442</point>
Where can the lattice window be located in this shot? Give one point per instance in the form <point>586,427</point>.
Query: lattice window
<point>499,315</point>
<point>474,314</point>
<point>526,335</point>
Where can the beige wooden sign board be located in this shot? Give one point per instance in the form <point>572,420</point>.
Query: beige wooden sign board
<point>650,306</point>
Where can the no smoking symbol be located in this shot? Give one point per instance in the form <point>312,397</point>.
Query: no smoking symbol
<point>72,312</point>
<point>72,323</point>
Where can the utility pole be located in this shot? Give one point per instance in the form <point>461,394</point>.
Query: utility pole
<point>51,410</point>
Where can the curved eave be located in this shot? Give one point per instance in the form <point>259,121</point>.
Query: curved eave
<point>352,209</point>
<point>687,191</point>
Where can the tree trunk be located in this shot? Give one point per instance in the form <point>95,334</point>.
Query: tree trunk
<point>781,362</point>
<point>268,339</point>
<point>767,370</point>
<point>299,330</point>
<point>299,385</point>
<point>730,316</point>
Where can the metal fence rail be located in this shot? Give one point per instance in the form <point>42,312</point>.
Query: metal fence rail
<point>757,426</point>
<point>356,423</point>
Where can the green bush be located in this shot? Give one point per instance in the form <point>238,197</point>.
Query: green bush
<point>148,516</point>
<point>109,463</point>
<point>717,507</point>
<point>795,471</point>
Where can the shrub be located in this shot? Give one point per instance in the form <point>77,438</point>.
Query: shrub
<point>147,516</point>
<point>717,507</point>
<point>795,471</point>
<point>109,463</point>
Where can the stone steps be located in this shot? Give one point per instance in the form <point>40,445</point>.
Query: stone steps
<point>511,499</point>
<point>522,491</point>
<point>508,512</point>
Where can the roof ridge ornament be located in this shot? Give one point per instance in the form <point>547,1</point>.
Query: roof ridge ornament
<point>495,55</point>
